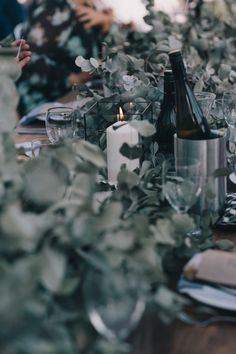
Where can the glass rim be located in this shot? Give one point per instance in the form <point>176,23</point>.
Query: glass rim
<point>60,107</point>
<point>226,93</point>
<point>182,159</point>
<point>205,94</point>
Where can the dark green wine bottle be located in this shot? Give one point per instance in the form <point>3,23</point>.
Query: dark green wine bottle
<point>190,120</point>
<point>166,121</point>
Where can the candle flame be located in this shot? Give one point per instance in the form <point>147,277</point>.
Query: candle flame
<point>120,115</point>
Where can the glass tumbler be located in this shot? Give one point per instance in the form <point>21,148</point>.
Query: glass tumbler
<point>60,124</point>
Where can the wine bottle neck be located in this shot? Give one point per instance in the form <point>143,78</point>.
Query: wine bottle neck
<point>169,98</point>
<point>169,88</point>
<point>178,67</point>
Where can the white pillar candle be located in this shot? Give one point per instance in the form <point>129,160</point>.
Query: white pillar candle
<point>118,134</point>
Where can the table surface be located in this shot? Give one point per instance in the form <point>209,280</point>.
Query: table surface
<point>153,337</point>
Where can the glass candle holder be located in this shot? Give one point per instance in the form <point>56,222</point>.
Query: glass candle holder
<point>95,117</point>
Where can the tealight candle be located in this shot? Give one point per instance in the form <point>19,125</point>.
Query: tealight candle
<point>117,134</point>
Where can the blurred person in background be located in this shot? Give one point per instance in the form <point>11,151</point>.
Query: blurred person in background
<point>176,9</point>
<point>57,36</point>
<point>11,14</point>
<point>125,13</point>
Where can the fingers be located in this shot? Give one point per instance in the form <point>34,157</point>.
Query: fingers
<point>85,17</point>
<point>24,61</point>
<point>85,14</point>
<point>23,54</point>
<point>21,42</point>
<point>23,58</point>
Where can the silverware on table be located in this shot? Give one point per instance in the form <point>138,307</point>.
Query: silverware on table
<point>194,321</point>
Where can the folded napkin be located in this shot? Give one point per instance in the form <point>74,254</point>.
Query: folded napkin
<point>26,146</point>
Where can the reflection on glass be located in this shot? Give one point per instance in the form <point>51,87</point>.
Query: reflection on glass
<point>114,303</point>
<point>229,110</point>
<point>206,101</point>
<point>181,183</point>
<point>60,124</point>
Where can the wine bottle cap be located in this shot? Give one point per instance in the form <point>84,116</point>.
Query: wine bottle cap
<point>175,55</point>
<point>173,51</point>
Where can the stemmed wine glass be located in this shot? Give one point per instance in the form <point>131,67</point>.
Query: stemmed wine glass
<point>114,303</point>
<point>181,183</point>
<point>60,124</point>
<point>229,111</point>
<point>206,101</point>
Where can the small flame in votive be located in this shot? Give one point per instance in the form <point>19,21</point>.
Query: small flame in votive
<point>120,115</point>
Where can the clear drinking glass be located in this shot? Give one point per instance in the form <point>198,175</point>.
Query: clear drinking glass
<point>206,101</point>
<point>60,124</point>
<point>181,183</point>
<point>229,110</point>
<point>114,303</point>
<point>217,115</point>
<point>231,147</point>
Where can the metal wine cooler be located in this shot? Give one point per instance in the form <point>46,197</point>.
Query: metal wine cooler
<point>212,156</point>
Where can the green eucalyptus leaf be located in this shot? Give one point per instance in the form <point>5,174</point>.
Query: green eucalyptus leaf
<point>122,240</point>
<point>145,128</point>
<point>127,177</point>
<point>53,267</point>
<point>109,217</point>
<point>21,231</point>
<point>224,71</point>
<point>94,63</point>
<point>163,232</point>
<point>84,64</point>
<point>91,153</point>
<point>45,181</point>
<point>131,152</point>
<point>222,172</point>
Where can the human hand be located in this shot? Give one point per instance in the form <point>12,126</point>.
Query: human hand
<point>24,54</point>
<point>91,17</point>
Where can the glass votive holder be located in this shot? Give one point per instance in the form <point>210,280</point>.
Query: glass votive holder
<point>95,117</point>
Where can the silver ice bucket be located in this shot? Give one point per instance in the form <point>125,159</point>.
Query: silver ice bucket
<point>212,155</point>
